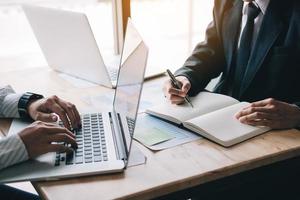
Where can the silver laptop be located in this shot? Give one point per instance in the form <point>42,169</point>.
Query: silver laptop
<point>68,44</point>
<point>105,138</point>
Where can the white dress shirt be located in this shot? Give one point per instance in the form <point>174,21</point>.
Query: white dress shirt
<point>12,148</point>
<point>263,5</point>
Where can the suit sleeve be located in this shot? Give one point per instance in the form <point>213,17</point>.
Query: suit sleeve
<point>207,60</point>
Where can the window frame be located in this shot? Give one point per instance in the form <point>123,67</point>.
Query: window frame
<point>121,12</point>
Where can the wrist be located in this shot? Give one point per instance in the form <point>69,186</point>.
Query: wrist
<point>25,102</point>
<point>30,107</point>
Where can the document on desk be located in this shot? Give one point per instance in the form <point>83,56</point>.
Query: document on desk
<point>152,136</point>
<point>156,134</point>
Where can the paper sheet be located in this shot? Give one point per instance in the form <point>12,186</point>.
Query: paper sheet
<point>151,136</point>
<point>179,136</point>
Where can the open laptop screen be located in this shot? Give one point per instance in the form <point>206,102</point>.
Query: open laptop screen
<point>130,80</point>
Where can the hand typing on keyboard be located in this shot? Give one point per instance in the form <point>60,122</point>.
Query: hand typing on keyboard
<point>91,143</point>
<point>40,138</point>
<point>47,109</point>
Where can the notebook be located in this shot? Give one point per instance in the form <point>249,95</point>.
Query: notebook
<point>212,117</point>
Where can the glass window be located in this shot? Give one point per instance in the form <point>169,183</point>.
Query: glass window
<point>19,48</point>
<point>171,28</point>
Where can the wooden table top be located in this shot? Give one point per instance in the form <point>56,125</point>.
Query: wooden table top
<point>165,171</point>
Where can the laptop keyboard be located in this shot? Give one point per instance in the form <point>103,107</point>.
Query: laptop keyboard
<point>91,143</point>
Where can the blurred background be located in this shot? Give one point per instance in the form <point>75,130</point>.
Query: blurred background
<point>171,29</point>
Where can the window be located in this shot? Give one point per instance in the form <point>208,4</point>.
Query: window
<point>19,48</point>
<point>171,28</point>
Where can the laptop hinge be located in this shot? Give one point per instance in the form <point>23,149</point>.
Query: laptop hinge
<point>122,131</point>
<point>117,136</point>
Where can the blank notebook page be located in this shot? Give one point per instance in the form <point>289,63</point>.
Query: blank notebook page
<point>223,125</point>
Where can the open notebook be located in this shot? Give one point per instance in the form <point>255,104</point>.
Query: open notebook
<point>212,117</point>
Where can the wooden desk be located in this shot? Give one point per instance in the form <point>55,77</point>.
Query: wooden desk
<point>166,171</point>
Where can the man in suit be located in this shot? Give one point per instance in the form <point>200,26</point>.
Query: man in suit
<point>37,138</point>
<point>255,46</point>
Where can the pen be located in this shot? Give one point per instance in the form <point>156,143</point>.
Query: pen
<point>177,85</point>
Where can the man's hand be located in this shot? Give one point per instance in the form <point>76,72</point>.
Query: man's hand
<point>44,109</point>
<point>176,96</point>
<point>272,113</point>
<point>39,137</point>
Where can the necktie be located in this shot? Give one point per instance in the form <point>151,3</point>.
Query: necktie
<point>244,50</point>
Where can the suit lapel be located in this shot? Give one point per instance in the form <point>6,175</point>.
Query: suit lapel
<point>231,24</point>
<point>269,31</point>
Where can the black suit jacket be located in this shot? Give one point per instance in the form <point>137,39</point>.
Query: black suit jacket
<point>274,66</point>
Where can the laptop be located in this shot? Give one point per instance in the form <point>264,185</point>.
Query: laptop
<point>105,139</point>
<point>68,44</point>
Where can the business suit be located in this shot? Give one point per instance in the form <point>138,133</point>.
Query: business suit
<point>273,66</point>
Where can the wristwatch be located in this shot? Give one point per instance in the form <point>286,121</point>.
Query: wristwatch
<point>24,101</point>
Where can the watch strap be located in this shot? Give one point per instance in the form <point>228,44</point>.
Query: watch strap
<point>24,101</point>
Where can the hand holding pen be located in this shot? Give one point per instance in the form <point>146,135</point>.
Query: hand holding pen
<point>176,89</point>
